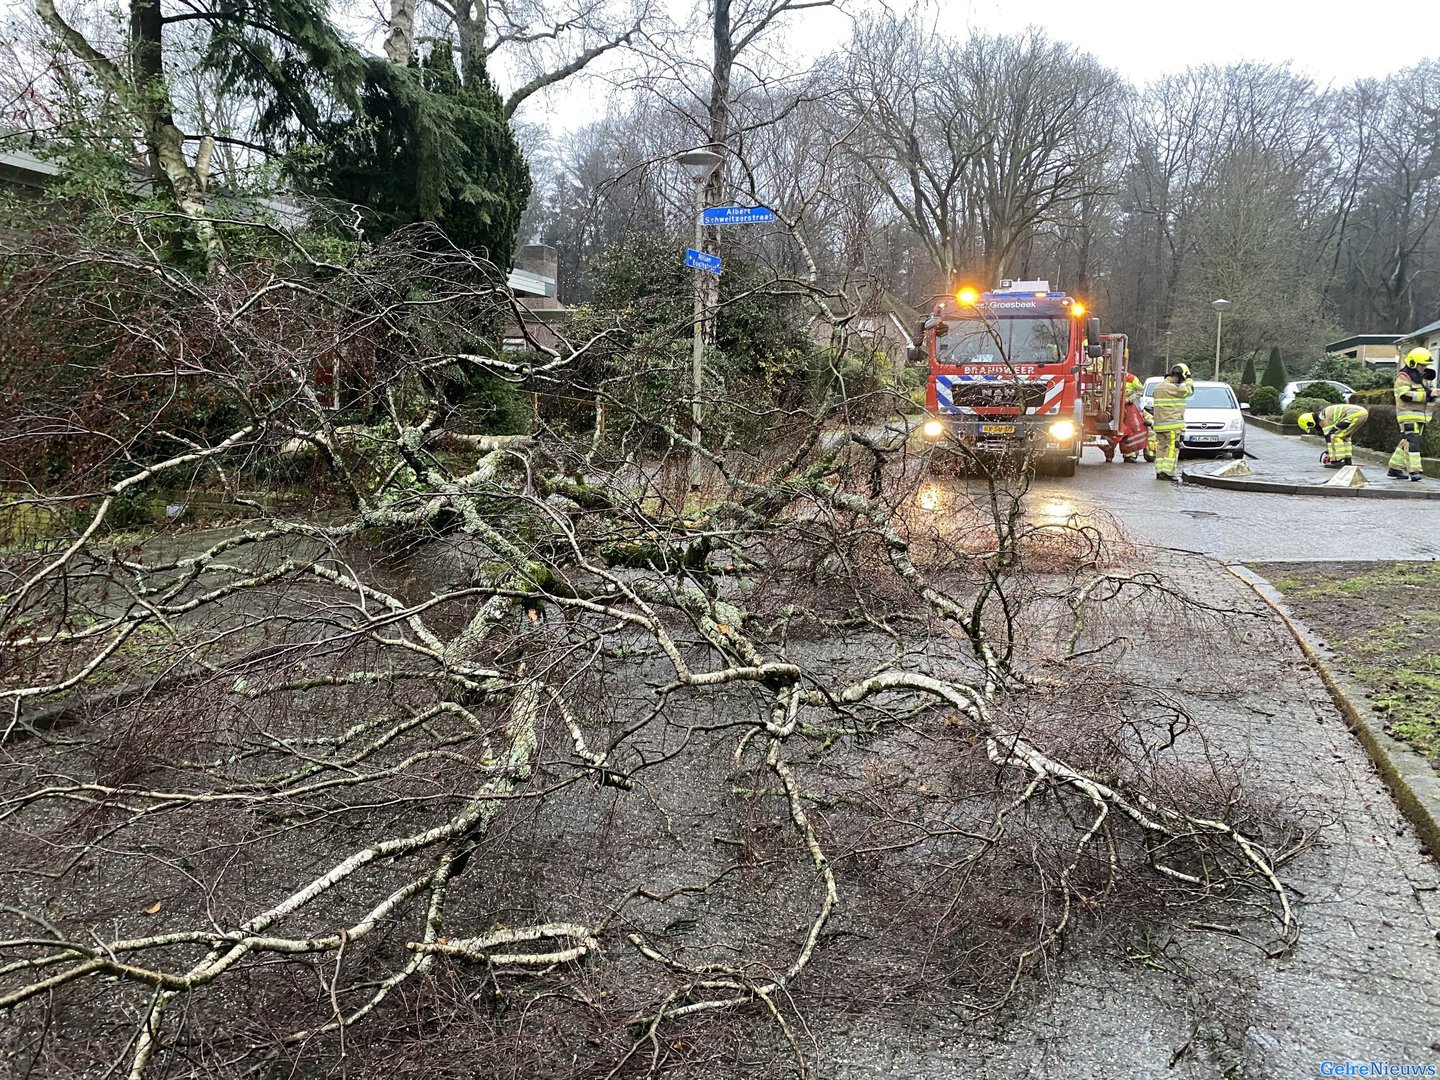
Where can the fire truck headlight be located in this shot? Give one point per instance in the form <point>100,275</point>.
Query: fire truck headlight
<point>1062,430</point>
<point>932,429</point>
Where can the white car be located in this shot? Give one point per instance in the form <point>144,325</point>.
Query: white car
<point>1297,390</point>
<point>1213,420</point>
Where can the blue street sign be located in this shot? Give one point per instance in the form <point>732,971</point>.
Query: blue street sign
<point>699,260</point>
<point>737,215</point>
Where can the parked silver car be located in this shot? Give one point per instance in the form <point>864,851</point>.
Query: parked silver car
<point>1213,420</point>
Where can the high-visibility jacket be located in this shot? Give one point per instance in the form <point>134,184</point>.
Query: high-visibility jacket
<point>1133,389</point>
<point>1345,417</point>
<point>1411,399</point>
<point>1170,404</point>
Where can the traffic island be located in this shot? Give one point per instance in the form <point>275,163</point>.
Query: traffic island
<point>1355,482</point>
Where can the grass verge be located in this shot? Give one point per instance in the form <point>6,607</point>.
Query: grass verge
<point>1382,620</point>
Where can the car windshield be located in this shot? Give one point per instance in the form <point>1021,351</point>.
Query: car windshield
<point>1212,397</point>
<point>1014,341</point>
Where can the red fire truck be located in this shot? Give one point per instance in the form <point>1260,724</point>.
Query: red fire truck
<point>1018,374</point>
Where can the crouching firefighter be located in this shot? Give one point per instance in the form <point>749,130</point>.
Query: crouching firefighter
<point>1413,391</point>
<point>1169,425</point>
<point>1338,424</point>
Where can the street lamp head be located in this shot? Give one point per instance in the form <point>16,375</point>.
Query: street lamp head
<point>1220,305</point>
<point>700,163</point>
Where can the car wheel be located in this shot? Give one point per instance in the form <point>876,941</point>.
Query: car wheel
<point>1238,454</point>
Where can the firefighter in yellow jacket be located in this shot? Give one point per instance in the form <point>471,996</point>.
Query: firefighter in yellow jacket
<point>1169,411</point>
<point>1413,391</point>
<point>1337,423</point>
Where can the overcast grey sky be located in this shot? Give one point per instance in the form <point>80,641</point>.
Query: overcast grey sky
<point>1334,42</point>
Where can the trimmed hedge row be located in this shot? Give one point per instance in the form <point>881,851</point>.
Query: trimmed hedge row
<point>1384,396</point>
<point>1382,432</point>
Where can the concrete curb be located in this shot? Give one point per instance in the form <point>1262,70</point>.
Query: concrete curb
<point>1412,781</point>
<point>1275,426</point>
<point>1276,487</point>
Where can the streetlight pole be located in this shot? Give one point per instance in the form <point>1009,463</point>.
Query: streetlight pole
<point>700,164</point>
<point>1167,352</point>
<point>1219,306</point>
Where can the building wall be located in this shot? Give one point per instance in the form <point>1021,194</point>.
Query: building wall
<point>1372,354</point>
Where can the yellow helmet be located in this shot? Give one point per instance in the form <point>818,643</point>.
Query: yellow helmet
<point>1417,358</point>
<point>1306,422</point>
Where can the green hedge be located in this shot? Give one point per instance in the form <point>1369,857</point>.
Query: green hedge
<point>1324,391</point>
<point>1264,401</point>
<point>1381,432</point>
<point>1300,406</point>
<point>1384,396</point>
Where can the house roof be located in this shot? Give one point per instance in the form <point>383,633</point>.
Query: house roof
<point>1357,340</point>
<point>23,167</point>
<point>1424,331</point>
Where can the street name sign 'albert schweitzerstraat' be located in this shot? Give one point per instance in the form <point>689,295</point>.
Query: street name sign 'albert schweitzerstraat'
<point>737,215</point>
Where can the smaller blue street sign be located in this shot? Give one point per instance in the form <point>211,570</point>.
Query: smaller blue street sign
<point>737,215</point>
<point>699,260</point>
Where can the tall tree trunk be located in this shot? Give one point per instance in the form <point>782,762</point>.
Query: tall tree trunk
<point>400,42</point>
<point>145,94</point>
<point>470,31</point>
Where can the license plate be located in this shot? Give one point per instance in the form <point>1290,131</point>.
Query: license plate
<point>1205,438</point>
<point>997,429</point>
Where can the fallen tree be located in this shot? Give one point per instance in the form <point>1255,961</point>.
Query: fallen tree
<point>518,754</point>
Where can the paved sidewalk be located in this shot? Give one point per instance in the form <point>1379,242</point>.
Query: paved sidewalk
<point>1363,984</point>
<point>1290,465</point>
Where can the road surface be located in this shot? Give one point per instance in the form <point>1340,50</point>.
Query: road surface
<point>1242,526</point>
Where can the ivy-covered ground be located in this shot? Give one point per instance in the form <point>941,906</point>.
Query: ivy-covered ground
<point>1382,619</point>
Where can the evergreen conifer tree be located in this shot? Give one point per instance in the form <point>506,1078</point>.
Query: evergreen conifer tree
<point>1275,374</point>
<point>423,147</point>
<point>1247,377</point>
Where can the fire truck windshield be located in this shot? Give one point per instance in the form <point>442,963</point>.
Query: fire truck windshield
<point>1004,341</point>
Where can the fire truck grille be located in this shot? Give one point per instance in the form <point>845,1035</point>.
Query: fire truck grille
<point>986,393</point>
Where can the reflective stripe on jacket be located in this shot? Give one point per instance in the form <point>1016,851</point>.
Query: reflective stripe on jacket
<point>1170,404</point>
<point>1410,399</point>
<point>1345,417</point>
<point>1134,389</point>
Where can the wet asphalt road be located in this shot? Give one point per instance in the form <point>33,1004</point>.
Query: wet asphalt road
<point>1243,526</point>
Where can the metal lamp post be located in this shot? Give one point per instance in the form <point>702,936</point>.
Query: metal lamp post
<point>1219,306</point>
<point>700,164</point>
<point>1167,351</point>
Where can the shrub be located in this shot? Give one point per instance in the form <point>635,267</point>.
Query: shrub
<point>1265,401</point>
<point>1303,405</point>
<point>1248,375</point>
<point>1324,391</point>
<point>1352,373</point>
<point>494,406</point>
<point>1275,373</point>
